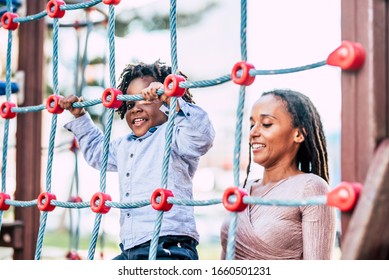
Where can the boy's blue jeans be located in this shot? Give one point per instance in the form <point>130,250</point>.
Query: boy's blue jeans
<point>169,248</point>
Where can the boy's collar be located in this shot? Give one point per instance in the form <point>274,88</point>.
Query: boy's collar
<point>132,136</point>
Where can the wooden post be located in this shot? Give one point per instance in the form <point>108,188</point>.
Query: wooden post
<point>365,111</point>
<point>29,128</point>
<point>368,231</point>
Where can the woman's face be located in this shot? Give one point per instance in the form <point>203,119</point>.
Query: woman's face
<point>143,115</point>
<point>274,142</point>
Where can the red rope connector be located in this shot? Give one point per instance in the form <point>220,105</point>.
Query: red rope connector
<point>5,110</point>
<point>163,205</point>
<point>101,198</point>
<point>74,146</point>
<point>113,102</point>
<point>245,79</point>
<point>348,56</point>
<point>73,256</point>
<point>44,200</point>
<point>3,198</point>
<point>176,90</point>
<point>76,199</point>
<point>238,205</point>
<point>7,21</point>
<point>56,109</point>
<point>344,196</point>
<point>57,12</point>
<point>111,2</point>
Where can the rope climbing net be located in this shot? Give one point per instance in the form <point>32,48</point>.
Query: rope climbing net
<point>348,56</point>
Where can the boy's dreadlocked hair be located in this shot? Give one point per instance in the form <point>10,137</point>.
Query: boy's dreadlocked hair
<point>312,156</point>
<point>158,70</point>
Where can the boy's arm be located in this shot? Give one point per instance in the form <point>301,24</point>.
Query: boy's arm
<point>194,133</point>
<point>90,139</point>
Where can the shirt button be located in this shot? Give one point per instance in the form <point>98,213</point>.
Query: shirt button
<point>131,155</point>
<point>128,214</point>
<point>128,174</point>
<point>127,194</point>
<point>188,114</point>
<point>140,140</point>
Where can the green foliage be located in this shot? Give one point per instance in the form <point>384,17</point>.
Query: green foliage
<point>60,240</point>
<point>129,20</point>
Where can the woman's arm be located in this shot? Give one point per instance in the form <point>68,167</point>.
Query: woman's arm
<point>318,225</point>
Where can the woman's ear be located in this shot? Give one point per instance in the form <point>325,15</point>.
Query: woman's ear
<point>299,136</point>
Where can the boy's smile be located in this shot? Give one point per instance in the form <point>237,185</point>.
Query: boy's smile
<point>138,121</point>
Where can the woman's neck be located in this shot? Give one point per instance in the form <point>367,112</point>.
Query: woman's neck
<point>273,175</point>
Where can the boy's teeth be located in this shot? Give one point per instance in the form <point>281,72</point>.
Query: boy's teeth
<point>138,121</point>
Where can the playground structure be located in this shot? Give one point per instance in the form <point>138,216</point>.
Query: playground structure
<point>363,159</point>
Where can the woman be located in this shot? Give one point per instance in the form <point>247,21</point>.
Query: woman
<point>287,140</point>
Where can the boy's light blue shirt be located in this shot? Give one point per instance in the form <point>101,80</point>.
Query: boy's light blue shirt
<point>138,162</point>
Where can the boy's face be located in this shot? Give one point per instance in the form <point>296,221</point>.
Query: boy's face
<point>143,115</point>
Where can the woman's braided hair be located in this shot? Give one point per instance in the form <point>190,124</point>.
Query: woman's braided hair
<point>158,70</point>
<point>312,156</point>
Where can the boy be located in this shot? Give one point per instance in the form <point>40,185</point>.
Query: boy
<point>138,156</point>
